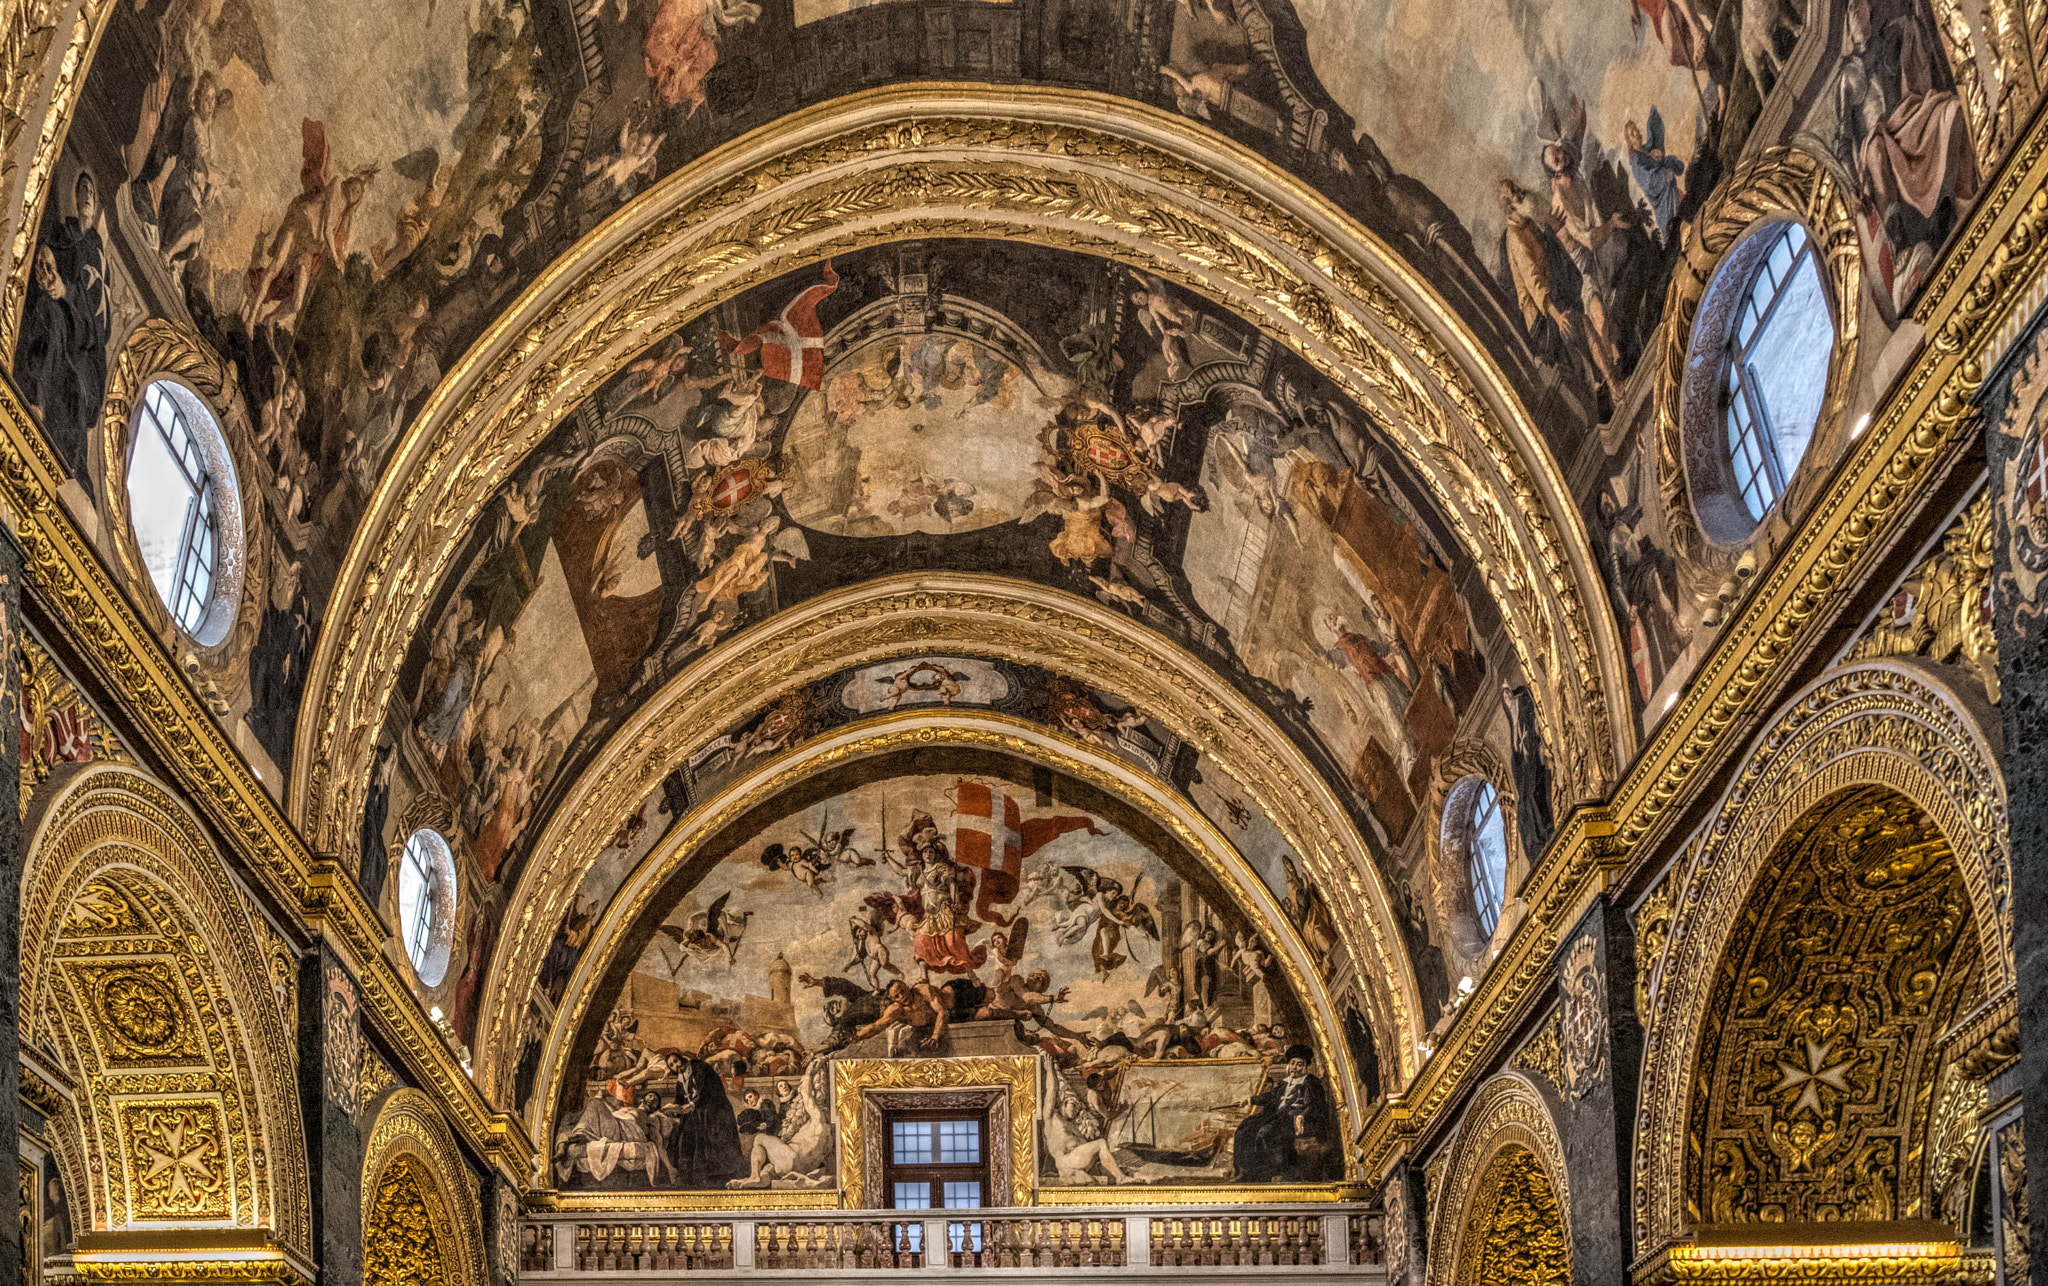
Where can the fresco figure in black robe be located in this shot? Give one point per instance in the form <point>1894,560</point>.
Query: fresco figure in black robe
<point>704,1141</point>
<point>61,360</point>
<point>1286,1138</point>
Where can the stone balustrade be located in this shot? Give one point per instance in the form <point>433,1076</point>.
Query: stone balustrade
<point>1216,1244</point>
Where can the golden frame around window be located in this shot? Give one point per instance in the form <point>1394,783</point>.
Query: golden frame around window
<point>856,1080</point>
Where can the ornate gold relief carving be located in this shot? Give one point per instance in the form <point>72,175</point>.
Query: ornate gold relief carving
<point>1877,724</point>
<point>421,1217</point>
<point>1544,1054</point>
<point>1812,1096</point>
<point>99,910</point>
<point>401,1242</point>
<point>855,1078</point>
<point>177,1160</point>
<point>1953,1134</point>
<point>376,1077</point>
<point>1515,1212</point>
<point>143,1013</point>
<point>1941,611</point>
<point>1653,927</point>
<point>143,972</point>
<point>1506,1121</point>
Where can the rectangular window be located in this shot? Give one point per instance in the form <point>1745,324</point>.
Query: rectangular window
<point>937,1160</point>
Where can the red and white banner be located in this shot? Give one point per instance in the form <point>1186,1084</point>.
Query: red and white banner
<point>792,347</point>
<point>990,833</point>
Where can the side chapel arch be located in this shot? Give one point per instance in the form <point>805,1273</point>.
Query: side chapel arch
<point>1000,735</point>
<point>892,165</point>
<point>974,616</point>
<point>143,971</point>
<point>1896,725</point>
<point>421,1217</point>
<point>1505,1188</point>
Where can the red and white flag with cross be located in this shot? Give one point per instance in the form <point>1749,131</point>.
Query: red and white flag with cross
<point>792,347</point>
<point>990,833</point>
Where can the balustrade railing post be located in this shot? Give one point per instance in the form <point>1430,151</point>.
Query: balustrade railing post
<point>1337,1239</point>
<point>938,1247</point>
<point>1138,1241</point>
<point>743,1244</point>
<point>565,1247</point>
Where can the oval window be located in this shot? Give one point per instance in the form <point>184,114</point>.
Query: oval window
<point>186,509</point>
<point>426,904</point>
<point>1774,367</point>
<point>1474,828</point>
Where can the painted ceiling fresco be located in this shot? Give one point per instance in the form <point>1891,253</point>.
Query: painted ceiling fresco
<point>1082,427</point>
<point>341,199</point>
<point>944,916</point>
<point>1103,720</point>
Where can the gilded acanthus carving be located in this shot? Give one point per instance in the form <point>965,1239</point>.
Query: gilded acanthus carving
<point>1653,926</point>
<point>422,1221</point>
<point>402,1245</point>
<point>1814,1088</point>
<point>142,970</point>
<point>1939,611</point>
<point>1544,1054</point>
<point>1878,724</point>
<point>1516,1213</point>
<point>1953,1131</point>
<point>1506,1120</point>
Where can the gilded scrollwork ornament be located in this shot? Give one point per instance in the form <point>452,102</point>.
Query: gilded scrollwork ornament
<point>1544,1054</point>
<point>177,1160</point>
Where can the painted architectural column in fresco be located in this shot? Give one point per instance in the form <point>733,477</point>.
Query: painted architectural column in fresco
<point>332,1098</point>
<point>10,887</point>
<point>2012,406</point>
<point>1600,1052</point>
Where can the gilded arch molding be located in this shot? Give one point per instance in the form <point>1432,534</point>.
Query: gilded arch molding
<point>1883,723</point>
<point>1507,1113</point>
<point>956,161</point>
<point>142,967</point>
<point>530,930</point>
<point>978,616</point>
<point>411,1161</point>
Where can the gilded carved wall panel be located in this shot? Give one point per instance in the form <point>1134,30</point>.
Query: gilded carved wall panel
<point>421,1218</point>
<point>1889,724</point>
<point>1855,953</point>
<point>1504,1212</point>
<point>142,969</point>
<point>1520,1227</point>
<point>403,1230</point>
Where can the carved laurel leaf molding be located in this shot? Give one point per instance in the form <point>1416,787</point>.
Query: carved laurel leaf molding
<point>950,162</point>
